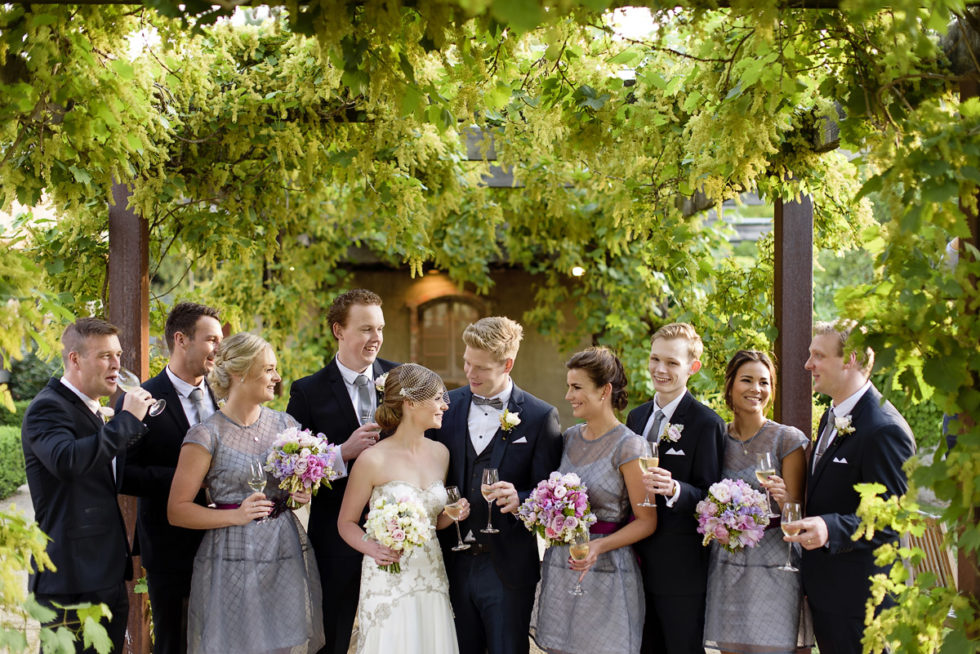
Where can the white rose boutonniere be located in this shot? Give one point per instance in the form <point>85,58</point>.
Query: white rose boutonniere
<point>106,413</point>
<point>379,383</point>
<point>672,433</point>
<point>843,425</point>
<point>509,420</point>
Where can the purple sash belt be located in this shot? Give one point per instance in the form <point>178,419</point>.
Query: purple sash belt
<point>774,523</point>
<point>279,506</point>
<point>604,528</point>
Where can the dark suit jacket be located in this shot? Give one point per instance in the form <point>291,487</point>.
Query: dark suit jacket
<point>514,550</point>
<point>322,404</point>
<point>150,467</point>
<point>835,578</point>
<point>673,560</point>
<point>68,454</point>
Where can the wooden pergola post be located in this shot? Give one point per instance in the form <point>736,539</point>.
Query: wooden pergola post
<point>793,300</point>
<point>129,310</point>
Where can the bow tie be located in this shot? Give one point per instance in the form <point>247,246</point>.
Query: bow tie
<point>494,402</point>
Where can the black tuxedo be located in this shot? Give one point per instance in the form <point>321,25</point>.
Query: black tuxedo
<point>167,552</point>
<point>673,561</point>
<point>322,403</point>
<point>523,456</point>
<point>68,454</point>
<point>836,577</point>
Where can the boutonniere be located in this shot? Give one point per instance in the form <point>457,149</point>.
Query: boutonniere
<point>509,420</point>
<point>379,383</point>
<point>843,425</point>
<point>106,413</point>
<point>672,433</point>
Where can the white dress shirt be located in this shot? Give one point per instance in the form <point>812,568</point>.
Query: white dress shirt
<point>350,379</point>
<point>484,420</point>
<point>845,408</point>
<point>184,393</point>
<point>668,412</point>
<point>93,406</point>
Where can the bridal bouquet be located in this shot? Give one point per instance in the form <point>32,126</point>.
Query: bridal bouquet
<point>557,508</point>
<point>734,514</point>
<point>302,461</point>
<point>400,525</point>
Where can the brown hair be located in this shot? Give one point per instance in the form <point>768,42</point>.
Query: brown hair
<point>340,307</point>
<point>74,337</point>
<point>741,358</point>
<point>407,382</point>
<point>498,335</point>
<point>843,329</point>
<point>183,318</point>
<point>695,348</point>
<point>603,367</point>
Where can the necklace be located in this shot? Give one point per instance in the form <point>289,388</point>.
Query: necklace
<point>737,436</point>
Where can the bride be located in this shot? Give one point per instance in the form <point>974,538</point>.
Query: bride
<point>407,611</point>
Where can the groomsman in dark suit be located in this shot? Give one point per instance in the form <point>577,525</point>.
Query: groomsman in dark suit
<point>491,584</point>
<point>339,401</point>
<point>861,440</point>
<point>691,441</point>
<point>74,462</point>
<point>193,333</point>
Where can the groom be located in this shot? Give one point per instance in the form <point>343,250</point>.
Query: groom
<point>862,440</point>
<point>491,584</point>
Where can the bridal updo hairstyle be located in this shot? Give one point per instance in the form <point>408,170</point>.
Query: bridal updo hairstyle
<point>740,359</point>
<point>603,367</point>
<point>407,382</point>
<point>234,358</point>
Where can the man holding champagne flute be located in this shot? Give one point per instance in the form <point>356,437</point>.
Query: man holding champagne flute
<point>502,441</point>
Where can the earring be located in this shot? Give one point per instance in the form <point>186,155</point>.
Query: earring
<point>242,380</point>
<point>602,399</point>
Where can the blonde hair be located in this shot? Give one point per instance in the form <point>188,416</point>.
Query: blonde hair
<point>843,329</point>
<point>695,348</point>
<point>498,335</point>
<point>234,358</point>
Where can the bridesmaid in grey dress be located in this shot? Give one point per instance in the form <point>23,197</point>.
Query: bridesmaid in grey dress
<point>753,605</point>
<point>255,587</point>
<point>608,618</point>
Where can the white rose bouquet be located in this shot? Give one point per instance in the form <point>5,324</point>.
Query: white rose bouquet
<point>400,525</point>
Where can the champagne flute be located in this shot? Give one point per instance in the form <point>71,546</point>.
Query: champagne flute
<point>791,513</point>
<point>453,510</point>
<point>765,468</point>
<point>490,477</point>
<point>129,382</point>
<point>649,459</point>
<point>579,551</point>
<point>256,477</point>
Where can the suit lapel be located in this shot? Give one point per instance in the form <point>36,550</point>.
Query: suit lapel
<point>642,417</point>
<point>77,403</point>
<point>174,406</point>
<point>501,438</point>
<point>378,372</point>
<point>339,388</point>
<point>459,423</point>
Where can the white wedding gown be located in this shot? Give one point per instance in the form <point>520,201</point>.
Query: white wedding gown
<point>408,612</point>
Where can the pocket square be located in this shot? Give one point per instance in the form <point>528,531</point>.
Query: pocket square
<point>840,460</point>
<point>675,452</point>
<point>520,440</point>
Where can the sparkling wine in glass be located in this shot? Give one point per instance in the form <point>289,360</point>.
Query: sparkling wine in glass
<point>490,477</point>
<point>256,477</point>
<point>579,551</point>
<point>791,514</point>
<point>649,459</point>
<point>129,382</point>
<point>765,468</point>
<point>453,510</point>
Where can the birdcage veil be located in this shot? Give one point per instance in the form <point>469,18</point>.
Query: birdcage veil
<point>418,383</point>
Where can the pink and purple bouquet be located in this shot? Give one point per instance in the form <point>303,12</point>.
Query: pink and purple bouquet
<point>734,514</point>
<point>302,461</point>
<point>399,524</point>
<point>557,508</point>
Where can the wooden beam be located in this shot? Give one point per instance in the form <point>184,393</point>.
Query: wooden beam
<point>793,309</point>
<point>129,304</point>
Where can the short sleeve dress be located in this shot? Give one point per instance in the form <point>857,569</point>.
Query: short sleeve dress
<point>752,605</point>
<point>255,587</point>
<point>608,618</point>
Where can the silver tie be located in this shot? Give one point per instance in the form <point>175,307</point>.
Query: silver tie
<point>197,399</point>
<point>658,419</point>
<point>365,406</point>
<point>824,442</point>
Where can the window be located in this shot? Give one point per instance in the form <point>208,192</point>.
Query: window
<point>441,324</point>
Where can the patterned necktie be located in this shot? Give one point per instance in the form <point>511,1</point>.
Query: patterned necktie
<point>365,407</point>
<point>494,402</point>
<point>654,435</point>
<point>197,399</point>
<point>824,441</point>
